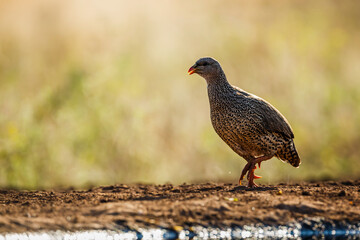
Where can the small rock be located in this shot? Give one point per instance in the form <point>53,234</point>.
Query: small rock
<point>348,183</point>
<point>108,188</point>
<point>224,207</point>
<point>306,193</point>
<point>342,193</point>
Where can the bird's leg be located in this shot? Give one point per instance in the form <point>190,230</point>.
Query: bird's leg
<point>251,176</point>
<point>250,169</point>
<point>244,171</point>
<point>252,172</point>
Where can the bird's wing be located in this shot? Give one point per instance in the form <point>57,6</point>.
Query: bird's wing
<point>268,117</point>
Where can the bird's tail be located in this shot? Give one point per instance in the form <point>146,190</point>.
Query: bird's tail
<point>289,154</point>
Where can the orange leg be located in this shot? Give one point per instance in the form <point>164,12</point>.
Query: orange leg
<point>244,171</point>
<point>252,172</point>
<point>250,169</point>
<point>251,176</point>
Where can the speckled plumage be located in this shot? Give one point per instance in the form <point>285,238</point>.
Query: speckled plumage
<point>249,125</point>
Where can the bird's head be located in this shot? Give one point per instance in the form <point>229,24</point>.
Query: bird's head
<point>206,67</point>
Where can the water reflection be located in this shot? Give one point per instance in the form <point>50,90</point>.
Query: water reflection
<point>305,230</point>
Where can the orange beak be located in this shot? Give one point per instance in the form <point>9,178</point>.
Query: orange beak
<point>191,70</point>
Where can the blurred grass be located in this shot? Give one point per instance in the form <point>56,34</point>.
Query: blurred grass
<point>97,93</point>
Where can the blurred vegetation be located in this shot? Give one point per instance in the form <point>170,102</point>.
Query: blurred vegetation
<point>96,92</point>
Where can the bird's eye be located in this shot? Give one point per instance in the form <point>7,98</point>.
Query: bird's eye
<point>205,63</point>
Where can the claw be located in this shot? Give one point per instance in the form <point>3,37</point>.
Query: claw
<point>252,184</point>
<point>259,163</point>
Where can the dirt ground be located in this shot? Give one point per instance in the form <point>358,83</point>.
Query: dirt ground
<point>208,204</point>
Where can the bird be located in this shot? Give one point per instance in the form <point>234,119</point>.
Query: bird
<point>249,125</point>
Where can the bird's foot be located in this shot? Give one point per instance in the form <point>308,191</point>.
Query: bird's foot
<point>257,177</point>
<point>244,171</point>
<point>251,176</point>
<point>252,184</point>
<point>250,169</point>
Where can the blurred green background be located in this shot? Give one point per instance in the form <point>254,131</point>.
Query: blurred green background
<point>97,92</point>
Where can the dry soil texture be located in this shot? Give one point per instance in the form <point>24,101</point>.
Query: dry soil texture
<point>209,204</point>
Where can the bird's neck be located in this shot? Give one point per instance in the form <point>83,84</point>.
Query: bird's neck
<point>219,91</point>
<point>218,83</point>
